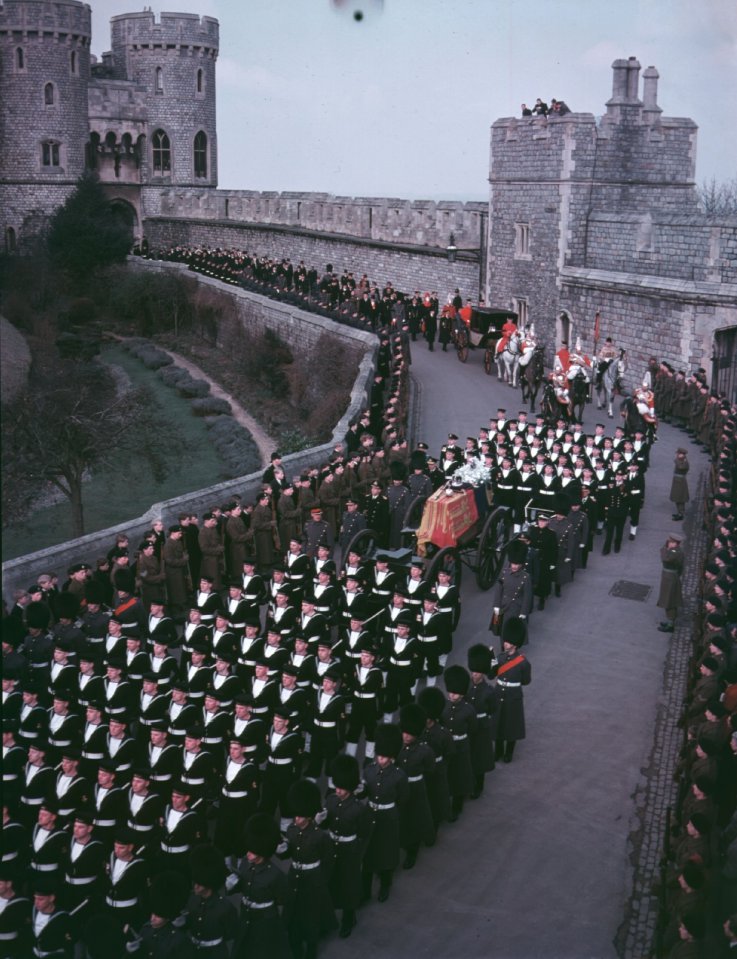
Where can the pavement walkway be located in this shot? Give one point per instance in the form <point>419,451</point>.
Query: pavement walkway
<point>558,857</point>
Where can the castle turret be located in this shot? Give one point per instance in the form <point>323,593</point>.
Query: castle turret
<point>44,72</point>
<point>173,61</point>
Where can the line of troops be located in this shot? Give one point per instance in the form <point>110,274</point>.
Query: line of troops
<point>120,762</point>
<point>357,302</point>
<point>687,401</point>
<point>699,871</point>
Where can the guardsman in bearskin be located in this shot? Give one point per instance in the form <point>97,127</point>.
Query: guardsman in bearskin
<point>459,718</point>
<point>512,673</point>
<point>417,760</point>
<point>262,886</point>
<point>386,790</point>
<point>308,910</point>
<point>211,918</point>
<point>348,822</point>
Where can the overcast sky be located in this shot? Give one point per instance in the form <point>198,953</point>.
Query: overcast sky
<point>400,102</point>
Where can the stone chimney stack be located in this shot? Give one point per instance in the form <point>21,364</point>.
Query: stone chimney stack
<point>624,105</point>
<point>633,79</point>
<point>651,111</point>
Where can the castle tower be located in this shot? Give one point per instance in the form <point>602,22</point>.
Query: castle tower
<point>173,61</point>
<point>572,194</point>
<point>44,77</point>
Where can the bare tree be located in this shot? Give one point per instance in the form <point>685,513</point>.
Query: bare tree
<point>718,199</point>
<point>71,423</point>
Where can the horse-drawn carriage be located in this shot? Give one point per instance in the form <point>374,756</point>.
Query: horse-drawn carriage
<point>453,528</point>
<point>483,332</point>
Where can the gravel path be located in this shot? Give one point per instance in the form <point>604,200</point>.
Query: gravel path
<point>266,445</point>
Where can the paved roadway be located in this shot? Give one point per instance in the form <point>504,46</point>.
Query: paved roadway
<point>539,865</point>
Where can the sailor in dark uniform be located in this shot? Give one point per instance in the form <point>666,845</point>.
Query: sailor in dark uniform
<point>15,915</point>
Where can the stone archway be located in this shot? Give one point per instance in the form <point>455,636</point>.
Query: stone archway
<point>126,213</point>
<point>563,329</point>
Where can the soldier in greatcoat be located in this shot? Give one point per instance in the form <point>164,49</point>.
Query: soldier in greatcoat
<point>262,886</point>
<point>459,718</point>
<point>417,760</point>
<point>308,910</point>
<point>561,525</point>
<point>679,485</point>
<point>212,919</point>
<point>432,700</point>
<point>212,564</point>
<point>264,529</point>
<point>511,594</point>
<point>348,822</point>
<point>669,597</point>
<point>176,567</point>
<point>289,515</point>
<point>512,673</point>
<point>484,699</point>
<point>386,790</point>
<point>150,575</point>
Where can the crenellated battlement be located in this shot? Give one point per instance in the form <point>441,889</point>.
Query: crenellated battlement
<point>173,31</point>
<point>50,20</point>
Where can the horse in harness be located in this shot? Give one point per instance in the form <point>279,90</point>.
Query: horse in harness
<point>608,380</point>
<point>508,355</point>
<point>532,369</point>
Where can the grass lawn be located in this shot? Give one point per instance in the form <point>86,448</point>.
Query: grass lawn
<point>129,489</point>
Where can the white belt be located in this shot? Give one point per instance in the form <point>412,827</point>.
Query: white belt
<point>305,866</point>
<point>173,849</point>
<point>205,943</point>
<point>506,684</point>
<point>120,903</point>
<point>460,738</point>
<point>240,794</point>
<point>140,827</point>
<point>29,801</point>
<point>481,715</point>
<point>41,954</point>
<point>428,639</point>
<point>324,725</point>
<point>336,838</point>
<point>60,742</point>
<point>196,781</point>
<point>400,662</point>
<point>210,740</point>
<point>250,904</point>
<point>44,866</point>
<point>163,778</point>
<point>365,695</point>
<point>238,625</point>
<point>9,857</point>
<point>382,592</point>
<point>8,936</point>
<point>280,762</point>
<point>67,811</point>
<point>105,822</point>
<point>322,609</point>
<point>381,805</point>
<point>80,880</point>
<point>415,779</point>
<point>10,777</point>
<point>86,755</point>
<point>439,759</point>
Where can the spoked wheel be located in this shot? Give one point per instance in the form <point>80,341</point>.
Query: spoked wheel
<point>412,520</point>
<point>488,359</point>
<point>363,543</point>
<point>447,558</point>
<point>462,345</point>
<point>493,539</point>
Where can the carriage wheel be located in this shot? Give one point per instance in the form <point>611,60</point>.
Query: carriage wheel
<point>412,520</point>
<point>447,558</point>
<point>364,543</point>
<point>493,539</point>
<point>462,345</point>
<point>488,359</point>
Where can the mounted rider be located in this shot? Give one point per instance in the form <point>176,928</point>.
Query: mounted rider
<point>607,355</point>
<point>508,331</point>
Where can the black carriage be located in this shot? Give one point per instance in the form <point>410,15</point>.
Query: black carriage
<point>483,332</point>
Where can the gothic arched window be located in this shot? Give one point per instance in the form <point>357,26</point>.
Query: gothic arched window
<point>161,152</point>
<point>200,155</point>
